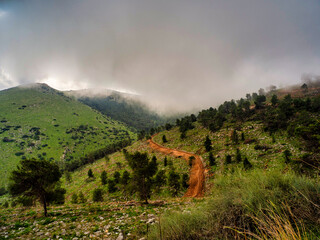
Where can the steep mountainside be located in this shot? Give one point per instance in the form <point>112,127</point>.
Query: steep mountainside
<point>120,106</point>
<point>38,121</point>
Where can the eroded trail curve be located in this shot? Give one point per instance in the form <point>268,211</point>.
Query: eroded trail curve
<point>197,178</point>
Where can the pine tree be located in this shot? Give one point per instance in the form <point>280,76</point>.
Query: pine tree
<point>164,139</point>
<point>38,179</point>
<point>90,173</point>
<point>104,178</point>
<point>212,160</point>
<point>207,144</point>
<point>143,170</point>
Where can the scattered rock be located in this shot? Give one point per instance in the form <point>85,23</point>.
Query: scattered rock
<point>120,237</point>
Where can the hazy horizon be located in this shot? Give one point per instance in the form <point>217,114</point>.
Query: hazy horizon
<point>178,55</point>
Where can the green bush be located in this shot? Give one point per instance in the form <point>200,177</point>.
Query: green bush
<point>97,195</point>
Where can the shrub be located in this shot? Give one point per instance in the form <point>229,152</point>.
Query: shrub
<point>173,182</point>
<point>228,159</point>
<point>238,156</point>
<point>164,139</point>
<point>165,161</point>
<point>104,178</point>
<point>97,195</point>
<point>125,178</point>
<point>74,198</point>
<point>191,161</point>
<point>111,186</point>
<point>185,181</point>
<point>90,173</point>
<point>116,177</point>
<point>82,198</point>
<point>246,164</point>
<point>212,160</point>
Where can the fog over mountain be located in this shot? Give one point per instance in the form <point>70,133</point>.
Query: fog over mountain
<point>178,55</point>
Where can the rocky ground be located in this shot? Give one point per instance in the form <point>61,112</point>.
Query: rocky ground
<point>122,220</point>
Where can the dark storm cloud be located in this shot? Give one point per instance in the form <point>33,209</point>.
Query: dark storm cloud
<point>181,54</point>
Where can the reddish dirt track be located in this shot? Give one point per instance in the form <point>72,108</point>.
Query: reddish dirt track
<point>197,178</point>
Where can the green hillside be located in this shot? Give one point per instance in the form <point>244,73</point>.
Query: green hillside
<point>263,177</point>
<point>122,107</point>
<point>38,121</point>
<point>261,159</point>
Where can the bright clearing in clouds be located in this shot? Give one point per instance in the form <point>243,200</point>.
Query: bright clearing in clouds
<point>182,54</point>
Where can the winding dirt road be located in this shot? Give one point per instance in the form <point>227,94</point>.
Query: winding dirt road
<point>197,178</point>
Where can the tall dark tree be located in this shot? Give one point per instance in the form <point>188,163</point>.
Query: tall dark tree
<point>142,172</point>
<point>37,179</point>
<point>207,144</point>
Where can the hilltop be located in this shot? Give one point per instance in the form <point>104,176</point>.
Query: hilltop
<point>39,121</point>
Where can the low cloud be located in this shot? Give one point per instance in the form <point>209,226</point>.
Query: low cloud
<point>178,55</point>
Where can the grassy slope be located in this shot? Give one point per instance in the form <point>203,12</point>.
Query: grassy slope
<point>222,145</point>
<point>80,177</point>
<point>47,109</point>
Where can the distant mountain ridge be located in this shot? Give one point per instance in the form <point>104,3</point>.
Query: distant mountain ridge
<point>124,107</point>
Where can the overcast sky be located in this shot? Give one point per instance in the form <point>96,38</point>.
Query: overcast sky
<point>177,54</point>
